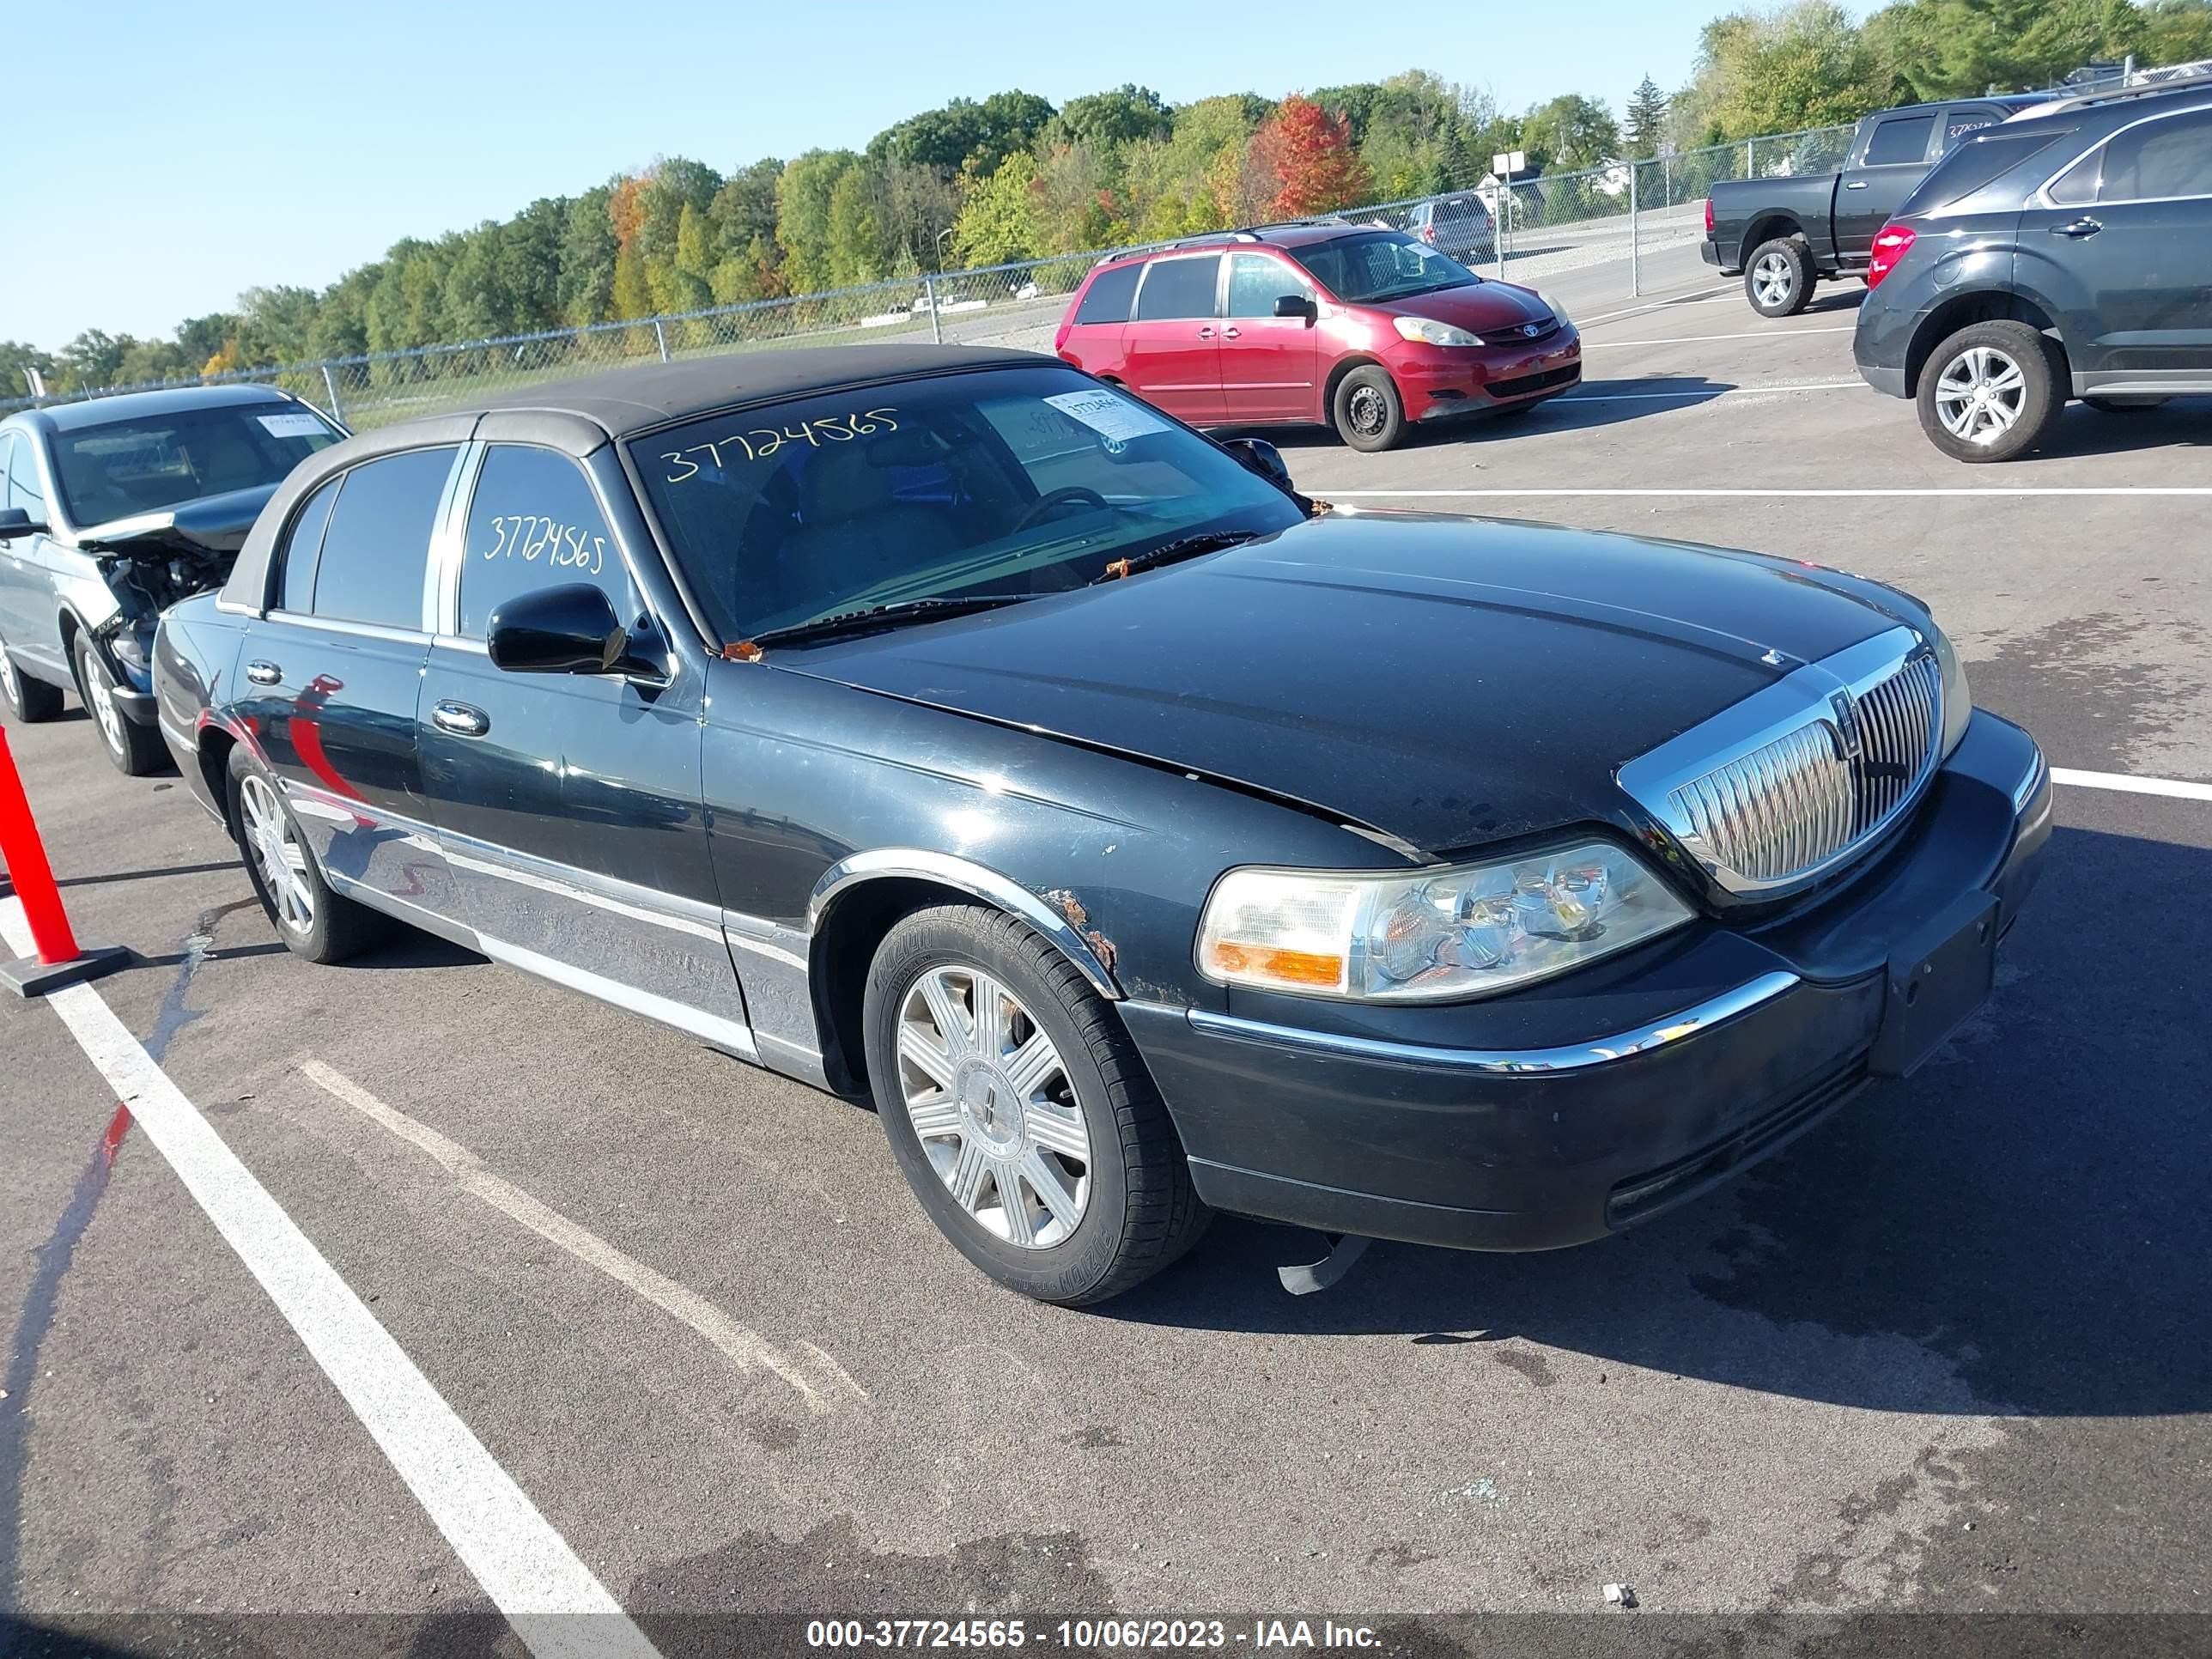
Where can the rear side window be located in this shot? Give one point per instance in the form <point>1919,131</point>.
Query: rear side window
<point>2160,159</point>
<point>301,548</point>
<point>1975,164</point>
<point>377,543</point>
<point>1962,123</point>
<point>1107,299</point>
<point>1895,143</point>
<point>535,523</point>
<point>1178,288</point>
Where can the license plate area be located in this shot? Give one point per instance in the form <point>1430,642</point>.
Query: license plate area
<point>1936,980</point>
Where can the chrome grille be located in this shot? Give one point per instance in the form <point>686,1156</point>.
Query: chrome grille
<point>1769,794</point>
<point>1778,810</point>
<point>1897,724</point>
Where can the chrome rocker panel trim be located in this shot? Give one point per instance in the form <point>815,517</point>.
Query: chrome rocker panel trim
<point>1576,1057</point>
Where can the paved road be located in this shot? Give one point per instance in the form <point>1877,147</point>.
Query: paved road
<point>1950,1354</point>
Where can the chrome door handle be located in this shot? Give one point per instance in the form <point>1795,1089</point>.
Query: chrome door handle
<point>2078,229</point>
<point>1231,334</point>
<point>1205,334</point>
<point>1856,184</point>
<point>461,719</point>
<point>263,673</point>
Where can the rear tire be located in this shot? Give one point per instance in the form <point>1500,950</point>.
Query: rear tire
<point>1778,277</point>
<point>1050,1160</point>
<point>135,749</point>
<point>30,701</point>
<point>2124,405</point>
<point>313,921</point>
<point>1992,391</point>
<point>1367,412</point>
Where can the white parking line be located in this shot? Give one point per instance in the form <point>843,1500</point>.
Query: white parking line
<point>822,1382</point>
<point>1700,339</point>
<point>1708,395</point>
<point>555,1605</point>
<point>2176,789</point>
<point>1873,493</point>
<point>1692,298</point>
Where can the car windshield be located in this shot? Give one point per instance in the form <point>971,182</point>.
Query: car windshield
<point>120,468</point>
<point>1001,482</point>
<point>1382,264</point>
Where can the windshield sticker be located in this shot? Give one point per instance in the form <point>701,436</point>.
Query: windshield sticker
<point>562,546</point>
<point>294,426</point>
<point>759,443</point>
<point>1112,416</point>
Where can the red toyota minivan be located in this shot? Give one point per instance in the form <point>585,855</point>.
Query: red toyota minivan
<point>1368,331</point>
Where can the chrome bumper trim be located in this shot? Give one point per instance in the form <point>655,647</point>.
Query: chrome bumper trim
<point>1506,1062</point>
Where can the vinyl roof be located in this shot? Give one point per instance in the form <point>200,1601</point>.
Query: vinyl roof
<point>621,401</point>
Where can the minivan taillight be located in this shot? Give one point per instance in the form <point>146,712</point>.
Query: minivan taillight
<point>1709,216</point>
<point>1894,242</point>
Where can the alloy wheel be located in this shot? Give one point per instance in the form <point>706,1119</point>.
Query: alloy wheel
<point>992,1104</point>
<point>1979,395</point>
<point>277,854</point>
<point>99,692</point>
<point>1774,278</point>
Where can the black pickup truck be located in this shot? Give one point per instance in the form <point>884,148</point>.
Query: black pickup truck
<point>1784,234</point>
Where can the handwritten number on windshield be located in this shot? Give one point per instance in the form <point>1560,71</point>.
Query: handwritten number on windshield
<point>760,442</point>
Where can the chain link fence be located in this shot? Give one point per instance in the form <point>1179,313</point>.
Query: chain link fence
<point>1528,230</point>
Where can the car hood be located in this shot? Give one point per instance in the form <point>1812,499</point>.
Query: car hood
<point>209,524</point>
<point>1478,306</point>
<point>1442,680</point>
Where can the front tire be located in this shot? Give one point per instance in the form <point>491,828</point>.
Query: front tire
<point>1367,411</point>
<point>1990,391</point>
<point>312,921</point>
<point>1019,1111</point>
<point>30,701</point>
<point>1778,277</point>
<point>135,750</point>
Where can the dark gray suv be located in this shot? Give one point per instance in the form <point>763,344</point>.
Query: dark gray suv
<point>2066,252</point>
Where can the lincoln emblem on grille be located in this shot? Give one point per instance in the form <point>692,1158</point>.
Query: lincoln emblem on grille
<point>1847,723</point>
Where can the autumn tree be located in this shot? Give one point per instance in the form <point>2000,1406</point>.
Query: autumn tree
<point>1309,152</point>
<point>998,222</point>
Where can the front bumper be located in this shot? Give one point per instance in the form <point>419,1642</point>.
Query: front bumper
<point>1536,1148</point>
<point>1440,383</point>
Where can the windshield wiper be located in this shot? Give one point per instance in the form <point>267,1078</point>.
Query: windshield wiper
<point>895,615</point>
<point>1183,547</point>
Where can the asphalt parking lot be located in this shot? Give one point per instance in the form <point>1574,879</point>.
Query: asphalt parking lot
<point>1951,1354</point>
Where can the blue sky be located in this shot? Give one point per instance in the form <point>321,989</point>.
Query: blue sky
<point>162,156</point>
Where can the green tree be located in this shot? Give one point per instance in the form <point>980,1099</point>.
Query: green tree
<point>803,192</point>
<point>1570,133</point>
<point>16,356</point>
<point>1806,65</point>
<point>997,222</point>
<point>584,289</point>
<point>1647,119</point>
<point>92,360</point>
<point>1107,120</point>
<point>633,297</point>
<point>854,248</point>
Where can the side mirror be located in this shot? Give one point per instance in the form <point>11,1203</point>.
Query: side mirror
<point>569,629</point>
<point>15,521</point>
<point>1258,456</point>
<point>1296,304</point>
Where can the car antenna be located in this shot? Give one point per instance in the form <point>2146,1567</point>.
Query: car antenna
<point>1344,1249</point>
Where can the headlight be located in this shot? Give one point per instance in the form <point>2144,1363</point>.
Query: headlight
<point>1558,310</point>
<point>129,649</point>
<point>1466,931</point>
<point>1958,700</point>
<point>1429,332</point>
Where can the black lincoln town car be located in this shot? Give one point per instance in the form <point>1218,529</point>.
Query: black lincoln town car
<point>946,727</point>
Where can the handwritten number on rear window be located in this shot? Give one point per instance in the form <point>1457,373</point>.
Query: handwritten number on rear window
<point>530,535</point>
<point>760,442</point>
